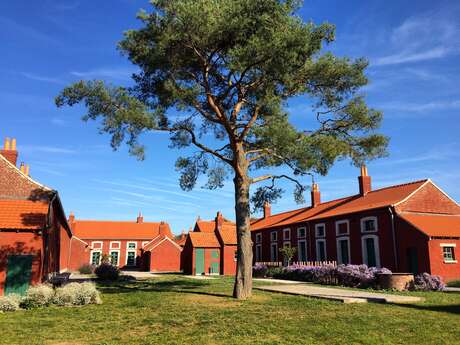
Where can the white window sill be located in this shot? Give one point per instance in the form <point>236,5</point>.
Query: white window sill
<point>450,261</point>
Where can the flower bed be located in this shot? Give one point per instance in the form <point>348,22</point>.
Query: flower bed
<point>346,275</point>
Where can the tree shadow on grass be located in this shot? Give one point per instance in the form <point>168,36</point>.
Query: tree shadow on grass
<point>447,308</point>
<point>177,286</point>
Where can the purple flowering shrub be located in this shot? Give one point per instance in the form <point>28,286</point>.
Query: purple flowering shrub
<point>259,270</point>
<point>346,275</point>
<point>427,282</point>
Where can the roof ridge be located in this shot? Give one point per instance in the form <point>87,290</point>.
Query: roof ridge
<point>115,221</point>
<point>403,213</point>
<point>400,185</point>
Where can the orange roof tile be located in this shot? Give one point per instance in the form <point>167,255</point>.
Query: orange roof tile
<point>205,226</point>
<point>434,225</point>
<point>23,214</point>
<point>93,229</point>
<point>228,233</point>
<point>204,239</point>
<point>375,199</point>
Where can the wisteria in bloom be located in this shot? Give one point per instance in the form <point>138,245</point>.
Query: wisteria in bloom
<point>427,282</point>
<point>259,270</point>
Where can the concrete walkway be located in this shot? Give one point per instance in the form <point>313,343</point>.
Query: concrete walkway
<point>341,295</point>
<point>277,281</point>
<point>200,277</point>
<point>452,289</point>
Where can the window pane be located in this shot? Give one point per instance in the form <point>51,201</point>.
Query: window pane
<point>448,253</point>
<point>344,251</point>
<point>370,250</point>
<point>95,258</point>
<point>302,251</point>
<point>114,258</point>
<point>321,251</point>
<point>342,228</point>
<point>131,259</point>
<point>131,245</point>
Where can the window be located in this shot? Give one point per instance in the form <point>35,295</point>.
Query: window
<point>115,245</point>
<point>114,257</point>
<point>274,236</point>
<point>370,250</point>
<point>369,224</point>
<point>95,257</point>
<point>259,237</point>
<point>274,252</point>
<point>258,252</point>
<point>343,250</point>
<point>321,250</point>
<point>448,253</point>
<point>342,227</point>
<point>96,245</point>
<point>131,245</point>
<point>301,232</point>
<point>302,250</point>
<point>131,258</point>
<point>286,234</point>
<point>320,230</point>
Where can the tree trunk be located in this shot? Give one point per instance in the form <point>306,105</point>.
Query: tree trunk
<point>243,278</point>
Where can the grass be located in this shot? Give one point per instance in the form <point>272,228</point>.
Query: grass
<point>179,310</point>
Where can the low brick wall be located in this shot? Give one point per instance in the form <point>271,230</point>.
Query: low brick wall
<point>396,281</point>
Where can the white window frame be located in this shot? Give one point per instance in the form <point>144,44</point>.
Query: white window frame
<point>363,227</point>
<point>298,250</point>
<point>305,232</point>
<point>324,230</point>
<point>258,248</point>
<point>119,256</point>
<point>91,256</point>
<point>128,250</point>
<point>323,240</point>
<point>452,245</point>
<point>258,237</point>
<point>337,225</point>
<point>276,236</point>
<point>274,259</point>
<point>376,249</point>
<point>112,247</point>
<point>286,231</point>
<point>98,242</point>
<point>339,250</point>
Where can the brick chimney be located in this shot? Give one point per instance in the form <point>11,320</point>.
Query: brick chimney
<point>267,209</point>
<point>364,182</point>
<point>140,218</point>
<point>164,229</point>
<point>219,220</point>
<point>315,195</point>
<point>9,151</point>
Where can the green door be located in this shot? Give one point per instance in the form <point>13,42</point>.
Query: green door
<point>199,261</point>
<point>19,269</point>
<point>215,262</point>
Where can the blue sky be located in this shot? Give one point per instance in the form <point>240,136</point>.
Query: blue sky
<point>413,48</point>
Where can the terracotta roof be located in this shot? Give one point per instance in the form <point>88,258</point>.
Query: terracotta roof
<point>228,233</point>
<point>204,239</point>
<point>93,229</point>
<point>23,214</point>
<point>378,198</point>
<point>434,225</point>
<point>181,240</point>
<point>205,226</point>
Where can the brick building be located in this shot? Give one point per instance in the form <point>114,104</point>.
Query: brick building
<point>412,227</point>
<point>35,237</point>
<point>148,246</point>
<point>211,247</point>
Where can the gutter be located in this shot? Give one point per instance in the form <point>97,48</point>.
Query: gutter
<point>393,232</point>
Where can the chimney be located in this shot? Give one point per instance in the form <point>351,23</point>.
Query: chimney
<point>364,182</point>
<point>9,151</point>
<point>164,229</point>
<point>315,195</point>
<point>27,169</point>
<point>219,220</point>
<point>71,217</point>
<point>267,209</point>
<point>140,218</point>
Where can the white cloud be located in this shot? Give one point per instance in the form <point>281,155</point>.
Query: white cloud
<point>46,149</point>
<point>410,56</point>
<point>421,107</point>
<point>37,77</point>
<point>115,73</point>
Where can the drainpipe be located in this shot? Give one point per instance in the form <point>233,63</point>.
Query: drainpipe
<point>393,232</point>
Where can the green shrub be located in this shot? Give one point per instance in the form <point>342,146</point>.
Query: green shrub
<point>454,283</point>
<point>77,294</point>
<point>86,269</point>
<point>38,296</point>
<point>10,302</point>
<point>274,271</point>
<point>107,271</point>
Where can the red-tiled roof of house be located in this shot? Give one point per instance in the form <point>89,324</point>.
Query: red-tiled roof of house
<point>93,229</point>
<point>205,226</point>
<point>204,239</point>
<point>378,198</point>
<point>434,225</point>
<point>181,240</point>
<point>228,233</point>
<point>23,214</point>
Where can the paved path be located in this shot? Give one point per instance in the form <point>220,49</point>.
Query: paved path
<point>200,277</point>
<point>277,281</point>
<point>341,295</point>
<point>452,289</point>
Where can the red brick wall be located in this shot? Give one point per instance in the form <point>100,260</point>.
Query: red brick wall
<point>166,257</point>
<point>79,255</point>
<point>27,243</point>
<point>448,271</point>
<point>228,263</point>
<point>430,199</point>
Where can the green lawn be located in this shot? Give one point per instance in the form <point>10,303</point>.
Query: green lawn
<point>178,310</point>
